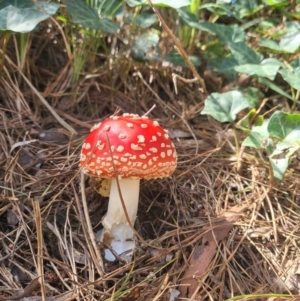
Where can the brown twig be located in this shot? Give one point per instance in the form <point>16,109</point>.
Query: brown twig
<point>40,247</point>
<point>179,48</point>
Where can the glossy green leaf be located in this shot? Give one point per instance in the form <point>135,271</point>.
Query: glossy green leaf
<point>174,4</point>
<point>271,44</point>
<point>292,77</point>
<point>280,158</point>
<point>225,66</point>
<point>290,42</point>
<point>295,63</point>
<point>268,23</point>
<point>226,33</point>
<point>267,68</point>
<point>258,136</point>
<point>274,87</point>
<point>24,17</point>
<point>244,8</point>
<point>176,59</point>
<point>285,126</point>
<point>145,47</point>
<point>216,8</point>
<point>105,8</point>
<point>277,3</point>
<point>23,3</point>
<point>145,20</point>
<point>253,95</point>
<point>87,16</point>
<point>224,107</point>
<point>244,54</point>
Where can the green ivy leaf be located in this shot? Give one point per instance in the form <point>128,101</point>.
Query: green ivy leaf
<point>224,107</point>
<point>285,126</point>
<point>271,45</point>
<point>274,87</point>
<point>296,63</point>
<point>174,4</point>
<point>244,54</point>
<point>23,3</point>
<point>107,8</point>
<point>277,3</point>
<point>145,47</point>
<point>225,33</point>
<point>258,136</point>
<point>280,158</point>
<point>145,20</point>
<point>24,17</point>
<point>176,59</point>
<point>225,66</point>
<point>253,95</point>
<point>255,140</point>
<point>290,42</point>
<point>292,77</point>
<point>267,68</point>
<point>244,8</point>
<point>87,16</point>
<point>218,9</point>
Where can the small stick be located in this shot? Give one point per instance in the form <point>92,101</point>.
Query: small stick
<point>149,111</point>
<point>42,99</point>
<point>188,81</point>
<point>179,47</point>
<point>98,260</point>
<point>39,235</point>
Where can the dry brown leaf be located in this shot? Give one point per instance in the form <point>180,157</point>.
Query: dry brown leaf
<point>54,135</point>
<point>204,253</point>
<point>24,292</point>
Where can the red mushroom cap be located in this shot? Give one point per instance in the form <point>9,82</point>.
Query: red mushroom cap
<point>139,148</point>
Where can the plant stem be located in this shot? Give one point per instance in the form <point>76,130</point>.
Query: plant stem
<point>271,175</point>
<point>237,149</point>
<point>5,41</point>
<point>23,40</point>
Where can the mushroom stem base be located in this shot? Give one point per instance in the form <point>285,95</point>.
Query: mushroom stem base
<point>115,240</point>
<point>117,232</point>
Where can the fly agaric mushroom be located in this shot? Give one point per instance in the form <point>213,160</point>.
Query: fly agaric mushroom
<point>128,148</point>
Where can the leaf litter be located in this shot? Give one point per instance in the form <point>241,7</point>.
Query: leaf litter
<point>190,236</point>
<point>203,254</point>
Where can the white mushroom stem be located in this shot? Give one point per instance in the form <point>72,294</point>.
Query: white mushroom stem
<point>115,223</point>
<point>130,189</point>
